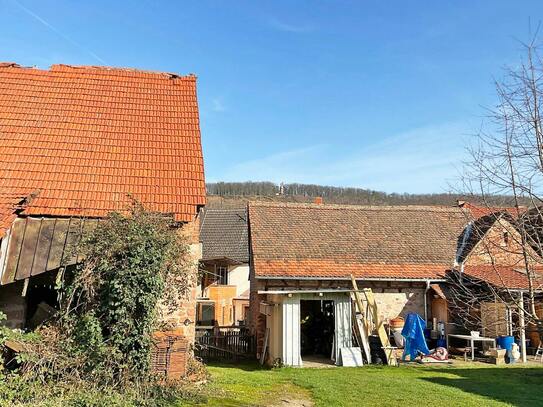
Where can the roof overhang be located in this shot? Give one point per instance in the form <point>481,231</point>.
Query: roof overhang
<point>222,261</point>
<point>306,278</point>
<point>323,291</point>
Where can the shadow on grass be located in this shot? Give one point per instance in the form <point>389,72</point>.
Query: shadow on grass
<point>516,386</point>
<point>246,365</point>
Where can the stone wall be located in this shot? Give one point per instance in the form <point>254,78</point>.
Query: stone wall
<point>180,321</point>
<point>392,303</point>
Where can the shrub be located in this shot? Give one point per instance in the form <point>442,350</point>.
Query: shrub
<point>133,266</point>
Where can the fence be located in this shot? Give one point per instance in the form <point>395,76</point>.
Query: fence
<point>225,343</point>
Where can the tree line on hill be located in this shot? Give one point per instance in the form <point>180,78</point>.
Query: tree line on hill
<point>339,195</point>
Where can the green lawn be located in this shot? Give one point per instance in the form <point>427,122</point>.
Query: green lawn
<point>463,384</point>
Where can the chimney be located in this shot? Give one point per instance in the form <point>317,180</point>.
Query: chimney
<point>318,200</point>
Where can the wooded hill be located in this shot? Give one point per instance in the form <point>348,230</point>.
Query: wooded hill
<point>295,192</point>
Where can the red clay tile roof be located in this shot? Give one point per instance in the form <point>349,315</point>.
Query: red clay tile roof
<point>85,137</point>
<point>301,240</point>
<point>10,205</point>
<point>478,211</point>
<point>502,277</point>
<point>324,269</point>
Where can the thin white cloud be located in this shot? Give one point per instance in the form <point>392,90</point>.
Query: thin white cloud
<point>217,105</point>
<point>419,160</point>
<point>58,32</point>
<point>288,27</point>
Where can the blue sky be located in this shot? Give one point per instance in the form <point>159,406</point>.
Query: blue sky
<point>374,94</point>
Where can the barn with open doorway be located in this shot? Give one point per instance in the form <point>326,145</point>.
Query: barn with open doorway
<point>307,326</point>
<point>302,257</point>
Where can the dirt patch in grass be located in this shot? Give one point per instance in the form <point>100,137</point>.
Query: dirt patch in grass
<point>271,395</point>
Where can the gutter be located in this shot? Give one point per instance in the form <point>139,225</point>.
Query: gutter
<point>420,280</point>
<point>309,291</point>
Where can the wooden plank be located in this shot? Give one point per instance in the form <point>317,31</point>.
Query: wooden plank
<point>265,348</point>
<point>4,243</point>
<point>14,249</point>
<point>57,243</point>
<point>379,325</point>
<point>72,241</point>
<point>43,247</point>
<point>362,331</point>
<point>28,248</point>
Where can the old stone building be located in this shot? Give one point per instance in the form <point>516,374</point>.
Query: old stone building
<point>303,256</point>
<point>77,143</point>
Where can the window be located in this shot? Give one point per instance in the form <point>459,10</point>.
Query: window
<point>222,275</point>
<point>206,315</point>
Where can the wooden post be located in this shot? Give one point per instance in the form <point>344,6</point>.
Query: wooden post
<point>522,328</point>
<point>360,325</point>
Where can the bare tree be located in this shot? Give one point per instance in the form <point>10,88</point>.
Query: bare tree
<point>507,160</point>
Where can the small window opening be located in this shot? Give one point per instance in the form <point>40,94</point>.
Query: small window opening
<point>222,275</point>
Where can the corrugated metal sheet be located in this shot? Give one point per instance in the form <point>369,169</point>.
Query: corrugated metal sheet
<point>36,245</point>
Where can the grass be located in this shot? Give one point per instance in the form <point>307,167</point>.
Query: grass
<point>463,384</point>
<point>460,385</point>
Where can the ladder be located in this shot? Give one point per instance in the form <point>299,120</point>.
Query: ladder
<point>539,352</point>
<point>379,325</point>
<point>361,328</point>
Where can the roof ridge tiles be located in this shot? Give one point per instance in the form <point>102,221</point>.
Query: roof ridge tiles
<point>116,71</point>
<point>431,208</point>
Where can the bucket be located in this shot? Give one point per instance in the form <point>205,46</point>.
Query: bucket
<point>505,342</point>
<point>397,323</point>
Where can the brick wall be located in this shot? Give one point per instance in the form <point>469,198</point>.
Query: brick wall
<point>498,248</point>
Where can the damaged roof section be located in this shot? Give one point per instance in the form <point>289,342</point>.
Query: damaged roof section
<point>89,138</point>
<point>36,245</point>
<point>10,206</point>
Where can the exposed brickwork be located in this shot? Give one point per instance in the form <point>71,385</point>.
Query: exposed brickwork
<point>500,245</point>
<point>498,259</point>
<point>169,355</point>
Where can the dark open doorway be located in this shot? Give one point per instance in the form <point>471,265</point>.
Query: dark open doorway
<point>317,328</point>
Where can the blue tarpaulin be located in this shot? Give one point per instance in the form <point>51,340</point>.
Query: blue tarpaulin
<point>413,332</point>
